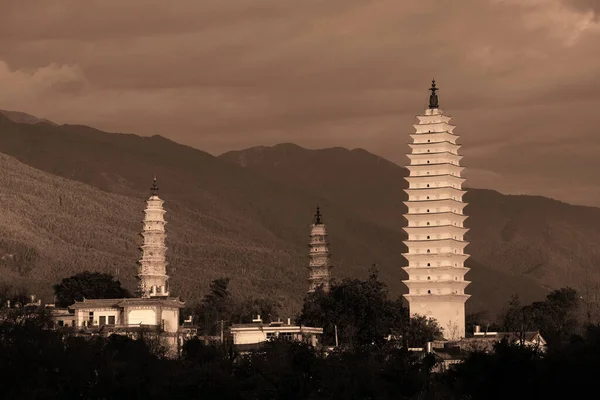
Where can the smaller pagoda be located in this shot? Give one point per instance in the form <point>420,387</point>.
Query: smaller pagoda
<point>319,265</point>
<point>152,271</point>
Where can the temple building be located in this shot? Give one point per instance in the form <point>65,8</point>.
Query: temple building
<point>154,310</point>
<point>435,218</point>
<point>319,264</point>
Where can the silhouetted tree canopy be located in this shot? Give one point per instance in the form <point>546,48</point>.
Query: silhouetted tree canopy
<point>220,305</point>
<point>364,315</point>
<point>557,318</point>
<point>90,285</point>
<point>42,363</point>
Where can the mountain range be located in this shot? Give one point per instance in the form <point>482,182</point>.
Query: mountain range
<point>73,200</point>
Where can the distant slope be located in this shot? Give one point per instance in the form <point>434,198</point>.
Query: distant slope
<point>223,220</point>
<point>251,223</point>
<point>51,227</point>
<point>525,239</point>
<point>23,118</point>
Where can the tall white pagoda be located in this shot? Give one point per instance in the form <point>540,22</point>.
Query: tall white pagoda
<point>319,265</point>
<point>152,271</point>
<point>436,257</point>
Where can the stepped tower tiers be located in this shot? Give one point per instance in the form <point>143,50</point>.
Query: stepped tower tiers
<point>152,271</point>
<point>319,266</point>
<point>436,257</point>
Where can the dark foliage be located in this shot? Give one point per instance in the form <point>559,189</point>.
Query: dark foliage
<point>558,317</point>
<point>364,315</point>
<point>42,363</point>
<point>219,309</point>
<point>91,285</point>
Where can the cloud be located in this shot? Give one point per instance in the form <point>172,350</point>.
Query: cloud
<point>23,85</point>
<point>219,74</point>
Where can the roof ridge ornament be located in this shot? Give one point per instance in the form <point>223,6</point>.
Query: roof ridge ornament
<point>433,98</point>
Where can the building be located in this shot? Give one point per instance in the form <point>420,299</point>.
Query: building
<point>436,257</point>
<point>154,311</point>
<point>485,341</point>
<point>319,264</point>
<point>252,336</point>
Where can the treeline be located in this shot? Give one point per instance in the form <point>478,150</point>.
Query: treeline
<point>38,363</point>
<point>371,361</point>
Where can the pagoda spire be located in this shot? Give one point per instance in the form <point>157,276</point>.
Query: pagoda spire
<point>433,98</point>
<point>152,270</point>
<point>154,189</point>
<point>319,264</point>
<point>435,223</point>
<point>318,216</point>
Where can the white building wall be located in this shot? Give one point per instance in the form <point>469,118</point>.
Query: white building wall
<point>144,317</point>
<point>171,319</point>
<point>249,337</point>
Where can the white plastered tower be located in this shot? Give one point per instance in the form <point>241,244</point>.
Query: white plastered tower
<point>319,265</point>
<point>436,257</point>
<point>152,270</point>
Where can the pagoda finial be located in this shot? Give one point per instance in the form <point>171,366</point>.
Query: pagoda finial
<point>433,99</point>
<point>154,188</point>
<point>318,216</point>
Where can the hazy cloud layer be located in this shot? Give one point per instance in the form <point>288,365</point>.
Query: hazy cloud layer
<point>521,77</point>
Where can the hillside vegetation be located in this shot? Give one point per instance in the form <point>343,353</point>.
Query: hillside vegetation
<point>246,215</point>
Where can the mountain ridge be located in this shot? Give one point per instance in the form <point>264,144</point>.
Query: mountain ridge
<point>252,223</point>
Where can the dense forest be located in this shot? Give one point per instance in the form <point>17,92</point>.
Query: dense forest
<point>372,361</point>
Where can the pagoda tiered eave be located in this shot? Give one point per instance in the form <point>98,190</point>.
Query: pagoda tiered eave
<point>434,284</point>
<point>434,191</point>
<point>433,229</point>
<point>434,137</point>
<point>423,178</point>
<point>425,243</point>
<point>439,298</point>
<point>434,127</point>
<point>438,147</point>
<point>443,168</point>
<point>436,269</point>
<point>444,157</point>
<point>426,216</point>
<point>435,203</point>
<point>433,118</point>
<point>413,257</point>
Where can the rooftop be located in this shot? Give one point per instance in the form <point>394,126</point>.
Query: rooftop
<point>123,302</point>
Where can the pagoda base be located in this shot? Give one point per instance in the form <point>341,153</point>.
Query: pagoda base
<point>448,310</point>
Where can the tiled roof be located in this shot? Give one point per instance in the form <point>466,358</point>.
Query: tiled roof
<point>96,303</point>
<point>123,302</point>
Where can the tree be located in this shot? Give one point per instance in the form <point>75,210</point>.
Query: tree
<point>216,306</point>
<point>14,295</point>
<point>363,314</point>
<point>281,370</point>
<point>557,318</point>
<point>419,330</point>
<point>90,285</point>
<point>245,310</point>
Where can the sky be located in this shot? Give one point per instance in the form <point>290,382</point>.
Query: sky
<point>521,78</point>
